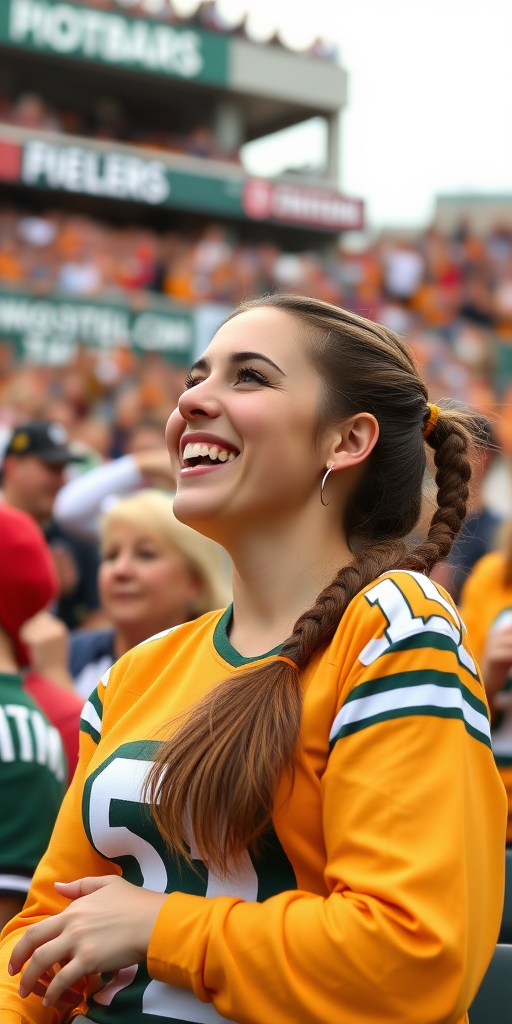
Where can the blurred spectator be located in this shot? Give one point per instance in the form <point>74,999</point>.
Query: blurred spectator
<point>109,119</point>
<point>32,474</point>
<point>145,436</point>
<point>82,502</point>
<point>403,270</point>
<point>39,641</point>
<point>486,608</point>
<point>32,761</point>
<point>155,573</point>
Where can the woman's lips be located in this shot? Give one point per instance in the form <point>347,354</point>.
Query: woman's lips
<point>187,471</point>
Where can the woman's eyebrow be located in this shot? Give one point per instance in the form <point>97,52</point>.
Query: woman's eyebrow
<point>240,357</point>
<point>200,364</point>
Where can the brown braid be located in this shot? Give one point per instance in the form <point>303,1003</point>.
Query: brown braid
<point>225,760</point>
<point>453,448</point>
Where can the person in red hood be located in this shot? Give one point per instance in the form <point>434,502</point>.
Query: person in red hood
<point>28,584</point>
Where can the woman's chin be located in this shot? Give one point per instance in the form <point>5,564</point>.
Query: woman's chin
<point>197,511</point>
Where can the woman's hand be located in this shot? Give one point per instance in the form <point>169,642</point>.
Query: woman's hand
<point>497,660</point>
<point>107,927</point>
<point>155,467</point>
<point>47,638</point>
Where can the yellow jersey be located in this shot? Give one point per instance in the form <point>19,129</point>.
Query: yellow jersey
<point>377,893</point>
<point>486,606</point>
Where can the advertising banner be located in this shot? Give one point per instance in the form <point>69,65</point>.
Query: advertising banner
<point>114,173</point>
<point>49,161</point>
<point>47,330</point>
<point>117,40</point>
<point>302,205</point>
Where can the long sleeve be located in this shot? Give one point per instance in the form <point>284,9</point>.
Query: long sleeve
<point>69,856</point>
<point>79,505</point>
<point>414,826</point>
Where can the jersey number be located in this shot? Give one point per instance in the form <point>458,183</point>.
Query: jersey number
<point>122,779</point>
<point>402,623</point>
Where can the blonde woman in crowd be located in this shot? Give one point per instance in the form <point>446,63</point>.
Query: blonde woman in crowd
<point>155,572</point>
<point>486,607</point>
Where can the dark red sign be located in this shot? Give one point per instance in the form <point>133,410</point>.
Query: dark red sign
<point>10,160</point>
<point>302,204</point>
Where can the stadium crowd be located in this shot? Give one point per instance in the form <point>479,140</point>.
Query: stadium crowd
<point>452,297</point>
<point>109,120</point>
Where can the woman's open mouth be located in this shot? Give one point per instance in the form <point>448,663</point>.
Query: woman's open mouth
<point>201,457</point>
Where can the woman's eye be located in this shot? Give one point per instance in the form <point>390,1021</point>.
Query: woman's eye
<point>147,555</point>
<point>247,375</point>
<point>109,556</point>
<point>190,381</point>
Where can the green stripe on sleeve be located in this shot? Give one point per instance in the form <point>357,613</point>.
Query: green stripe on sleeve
<point>416,677</point>
<point>419,692</point>
<point>97,704</point>
<point>90,730</point>
<point>428,639</point>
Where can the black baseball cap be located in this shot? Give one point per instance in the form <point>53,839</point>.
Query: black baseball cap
<point>48,441</point>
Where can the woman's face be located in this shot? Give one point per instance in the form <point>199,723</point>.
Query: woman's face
<point>242,441</point>
<point>143,581</point>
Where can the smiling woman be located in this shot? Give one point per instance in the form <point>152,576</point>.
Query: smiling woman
<point>287,810</point>
<point>155,573</point>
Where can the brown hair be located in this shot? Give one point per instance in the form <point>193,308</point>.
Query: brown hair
<point>227,757</point>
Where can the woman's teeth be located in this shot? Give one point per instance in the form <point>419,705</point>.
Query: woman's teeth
<point>205,451</point>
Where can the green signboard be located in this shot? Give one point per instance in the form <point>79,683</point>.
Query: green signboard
<point>46,330</point>
<point>86,33</point>
<point>120,172</point>
<point>115,173</point>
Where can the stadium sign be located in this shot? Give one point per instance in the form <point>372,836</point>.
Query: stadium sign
<point>302,205</point>
<point>49,161</point>
<point>113,174</point>
<point>46,330</point>
<point>86,33</point>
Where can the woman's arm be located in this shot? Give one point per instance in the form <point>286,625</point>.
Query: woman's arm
<point>79,505</point>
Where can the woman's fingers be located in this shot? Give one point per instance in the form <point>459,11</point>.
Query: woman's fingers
<point>83,886</point>
<point>43,959</point>
<point>63,981</point>
<point>34,937</point>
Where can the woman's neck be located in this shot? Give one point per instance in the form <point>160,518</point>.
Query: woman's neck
<point>278,573</point>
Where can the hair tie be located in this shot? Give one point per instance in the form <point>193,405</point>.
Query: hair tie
<point>434,411</point>
<point>288,661</point>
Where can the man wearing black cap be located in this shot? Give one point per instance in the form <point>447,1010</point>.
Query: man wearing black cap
<point>32,474</point>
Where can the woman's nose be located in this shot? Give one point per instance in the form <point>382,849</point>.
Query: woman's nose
<point>199,402</point>
<point>122,565</point>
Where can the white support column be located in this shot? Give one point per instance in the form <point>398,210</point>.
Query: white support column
<point>333,169</point>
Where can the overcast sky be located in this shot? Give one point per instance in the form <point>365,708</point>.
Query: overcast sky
<point>430,97</point>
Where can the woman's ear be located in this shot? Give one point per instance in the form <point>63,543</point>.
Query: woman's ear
<point>355,441</point>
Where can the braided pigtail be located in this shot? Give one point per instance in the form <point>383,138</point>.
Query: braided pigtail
<point>218,774</point>
<point>227,758</point>
<point>453,445</point>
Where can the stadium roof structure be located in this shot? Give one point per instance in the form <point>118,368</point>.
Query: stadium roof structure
<point>240,89</point>
<point>207,14</point>
<point>156,67</point>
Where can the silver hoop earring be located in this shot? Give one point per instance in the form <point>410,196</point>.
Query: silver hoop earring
<point>329,470</point>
